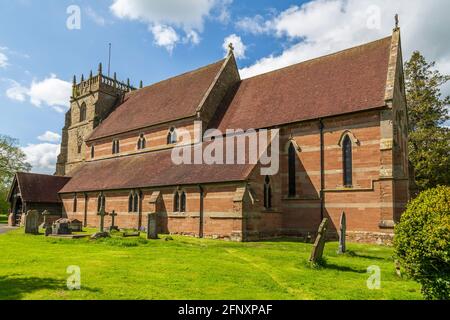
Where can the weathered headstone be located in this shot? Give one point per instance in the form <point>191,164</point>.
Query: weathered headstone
<point>61,227</point>
<point>319,244</point>
<point>32,222</point>
<point>76,225</point>
<point>342,234</point>
<point>11,220</point>
<point>47,223</point>
<point>151,226</point>
<point>102,215</point>
<point>113,215</point>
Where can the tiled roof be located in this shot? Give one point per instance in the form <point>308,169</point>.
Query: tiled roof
<point>344,82</point>
<point>40,188</point>
<point>168,100</point>
<point>153,169</point>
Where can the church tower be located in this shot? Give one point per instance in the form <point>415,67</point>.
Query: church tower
<point>92,100</point>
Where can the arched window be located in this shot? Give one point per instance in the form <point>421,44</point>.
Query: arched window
<point>176,202</point>
<point>347,161</point>
<point>130,202</point>
<point>136,202</point>
<point>92,152</point>
<point>75,203</point>
<point>101,202</point>
<point>141,142</point>
<point>172,136</point>
<point>183,202</point>
<point>267,193</point>
<point>115,147</point>
<point>292,157</point>
<point>83,112</point>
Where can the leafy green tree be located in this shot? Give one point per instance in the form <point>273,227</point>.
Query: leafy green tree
<point>422,242</point>
<point>429,139</point>
<point>12,159</point>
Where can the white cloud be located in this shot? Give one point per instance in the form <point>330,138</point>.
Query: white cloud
<point>239,46</point>
<point>49,136</point>
<point>167,18</point>
<point>165,37</point>
<point>320,27</point>
<point>42,156</point>
<point>3,59</point>
<point>51,91</point>
<point>17,92</point>
<point>94,16</point>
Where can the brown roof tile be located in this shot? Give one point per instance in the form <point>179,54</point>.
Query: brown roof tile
<point>167,100</point>
<point>344,82</point>
<point>153,169</point>
<point>40,188</point>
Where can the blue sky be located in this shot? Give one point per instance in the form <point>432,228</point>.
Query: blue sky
<point>154,40</point>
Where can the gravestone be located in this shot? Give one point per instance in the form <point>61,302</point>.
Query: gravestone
<point>113,215</point>
<point>102,215</point>
<point>61,227</point>
<point>32,222</point>
<point>11,220</point>
<point>342,234</point>
<point>151,226</point>
<point>76,225</point>
<point>47,223</point>
<point>319,244</point>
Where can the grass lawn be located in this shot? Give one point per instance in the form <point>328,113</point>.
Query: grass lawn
<point>34,267</point>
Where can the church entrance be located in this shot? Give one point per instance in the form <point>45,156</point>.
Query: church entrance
<point>17,210</point>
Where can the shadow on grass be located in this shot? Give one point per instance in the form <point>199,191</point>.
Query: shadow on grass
<point>12,288</point>
<point>362,256</point>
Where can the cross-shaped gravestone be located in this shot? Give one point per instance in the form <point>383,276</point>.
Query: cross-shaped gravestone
<point>342,234</point>
<point>319,244</point>
<point>113,215</point>
<point>102,215</point>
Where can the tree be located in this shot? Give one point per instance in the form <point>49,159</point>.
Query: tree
<point>12,160</point>
<point>422,242</point>
<point>429,140</point>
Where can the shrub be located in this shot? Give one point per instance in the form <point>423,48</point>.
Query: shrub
<point>422,242</point>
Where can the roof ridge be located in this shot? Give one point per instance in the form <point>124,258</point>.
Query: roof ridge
<point>183,74</point>
<point>39,174</point>
<point>320,57</point>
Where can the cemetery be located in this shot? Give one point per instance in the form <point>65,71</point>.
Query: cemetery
<point>188,267</point>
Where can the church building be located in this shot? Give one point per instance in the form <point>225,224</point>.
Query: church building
<point>343,135</point>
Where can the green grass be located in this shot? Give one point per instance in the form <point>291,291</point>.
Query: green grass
<point>34,267</point>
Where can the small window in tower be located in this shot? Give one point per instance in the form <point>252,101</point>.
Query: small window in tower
<point>83,112</point>
<point>79,149</point>
<point>115,147</point>
<point>92,152</point>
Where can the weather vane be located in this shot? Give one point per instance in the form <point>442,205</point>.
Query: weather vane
<point>396,21</point>
<point>231,47</point>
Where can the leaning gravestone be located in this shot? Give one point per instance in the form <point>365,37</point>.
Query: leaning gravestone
<point>319,244</point>
<point>342,234</point>
<point>151,228</point>
<point>76,225</point>
<point>32,222</point>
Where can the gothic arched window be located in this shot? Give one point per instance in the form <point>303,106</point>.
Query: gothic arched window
<point>267,193</point>
<point>75,203</point>
<point>176,202</point>
<point>83,112</point>
<point>292,160</point>
<point>141,142</point>
<point>136,202</point>
<point>172,136</point>
<point>183,202</point>
<point>101,202</point>
<point>115,147</point>
<point>130,202</point>
<point>347,161</point>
